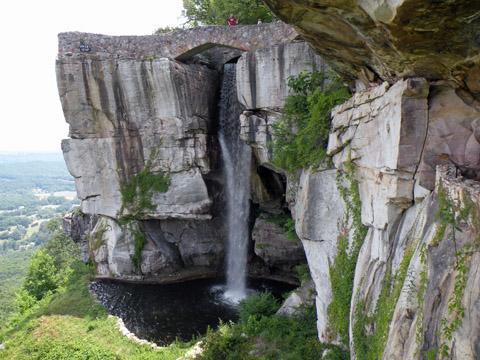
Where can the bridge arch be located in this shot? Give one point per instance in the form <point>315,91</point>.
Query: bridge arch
<point>179,45</point>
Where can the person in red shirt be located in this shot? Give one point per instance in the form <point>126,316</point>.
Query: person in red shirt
<point>232,20</point>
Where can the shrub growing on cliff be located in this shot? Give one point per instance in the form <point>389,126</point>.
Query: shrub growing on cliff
<point>137,193</point>
<point>300,136</point>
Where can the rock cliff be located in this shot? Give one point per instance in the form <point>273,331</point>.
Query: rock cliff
<point>414,69</point>
<point>143,145</point>
<point>415,113</point>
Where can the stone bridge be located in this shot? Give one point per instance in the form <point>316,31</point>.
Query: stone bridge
<point>179,45</point>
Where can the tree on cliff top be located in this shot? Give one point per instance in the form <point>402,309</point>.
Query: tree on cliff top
<point>216,12</point>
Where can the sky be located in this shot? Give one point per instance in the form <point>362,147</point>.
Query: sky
<point>31,117</point>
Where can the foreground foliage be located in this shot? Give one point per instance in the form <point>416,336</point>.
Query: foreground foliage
<point>261,334</point>
<point>342,270</point>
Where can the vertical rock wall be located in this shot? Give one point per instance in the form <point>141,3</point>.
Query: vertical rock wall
<point>395,136</point>
<point>133,118</point>
<point>129,120</point>
<point>391,133</point>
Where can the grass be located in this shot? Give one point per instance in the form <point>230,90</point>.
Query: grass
<point>70,325</point>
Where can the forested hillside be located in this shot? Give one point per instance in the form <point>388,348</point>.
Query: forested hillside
<point>12,270</point>
<point>34,188</point>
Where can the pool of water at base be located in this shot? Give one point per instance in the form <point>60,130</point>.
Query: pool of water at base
<point>162,313</point>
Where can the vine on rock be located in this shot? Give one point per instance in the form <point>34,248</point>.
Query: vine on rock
<point>450,215</point>
<point>370,331</point>
<point>342,270</point>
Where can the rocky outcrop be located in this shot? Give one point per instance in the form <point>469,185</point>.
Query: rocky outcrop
<point>383,131</point>
<point>302,296</point>
<point>262,75</point>
<point>143,150</point>
<point>77,226</point>
<point>133,123</point>
<point>368,41</point>
<point>390,133</point>
<point>272,244</point>
<point>319,209</point>
<point>262,78</point>
<point>127,114</point>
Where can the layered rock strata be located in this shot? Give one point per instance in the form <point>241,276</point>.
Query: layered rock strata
<point>135,121</point>
<point>395,136</point>
<point>389,133</point>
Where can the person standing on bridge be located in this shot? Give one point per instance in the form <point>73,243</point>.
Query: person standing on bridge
<point>232,20</point>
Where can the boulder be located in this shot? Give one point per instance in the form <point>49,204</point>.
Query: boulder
<point>76,226</point>
<point>112,246</point>
<point>383,131</point>
<point>272,244</point>
<point>304,295</point>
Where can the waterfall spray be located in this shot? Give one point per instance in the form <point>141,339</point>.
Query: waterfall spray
<point>236,156</point>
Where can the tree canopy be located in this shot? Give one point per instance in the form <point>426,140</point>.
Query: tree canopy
<point>216,12</point>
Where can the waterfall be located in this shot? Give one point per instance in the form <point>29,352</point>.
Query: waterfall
<point>236,157</point>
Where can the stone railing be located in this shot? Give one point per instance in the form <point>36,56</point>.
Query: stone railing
<point>178,45</point>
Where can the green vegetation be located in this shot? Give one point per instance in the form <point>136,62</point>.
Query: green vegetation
<point>58,319</point>
<point>137,194</point>
<point>69,325</point>
<point>288,225</point>
<point>303,273</point>
<point>165,30</point>
<point>65,323</point>
<point>260,334</point>
<point>216,12</point>
<point>264,304</point>
<point>449,216</point>
<point>27,202</point>
<point>370,329</point>
<point>300,136</point>
<point>372,346</point>
<point>137,197</point>
<point>31,191</point>
<point>12,271</point>
<point>49,267</point>
<point>140,241</point>
<point>342,271</point>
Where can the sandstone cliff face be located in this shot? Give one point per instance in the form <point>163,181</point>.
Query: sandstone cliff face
<point>418,64</point>
<point>385,132</point>
<point>132,118</point>
<point>129,116</point>
<point>124,113</point>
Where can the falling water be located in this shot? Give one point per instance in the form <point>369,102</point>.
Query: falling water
<point>236,156</point>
